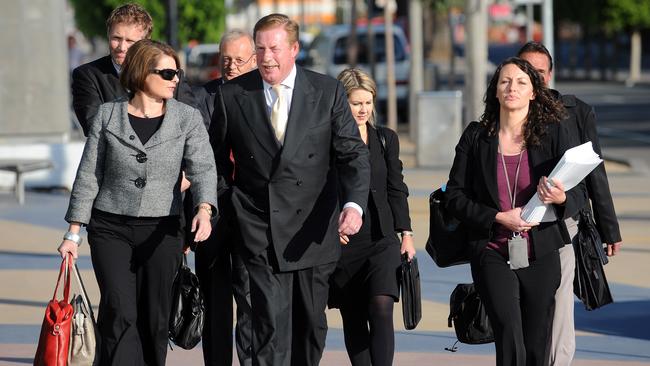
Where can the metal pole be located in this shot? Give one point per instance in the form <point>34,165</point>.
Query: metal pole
<point>391,100</point>
<point>530,21</point>
<point>476,57</point>
<point>172,24</point>
<point>416,80</point>
<point>547,23</point>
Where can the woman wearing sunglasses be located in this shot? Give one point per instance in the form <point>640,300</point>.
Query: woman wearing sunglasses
<point>127,191</point>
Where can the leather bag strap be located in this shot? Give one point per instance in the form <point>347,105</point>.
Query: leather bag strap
<point>64,271</point>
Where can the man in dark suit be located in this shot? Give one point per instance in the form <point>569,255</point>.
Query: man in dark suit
<point>296,148</point>
<point>97,82</point>
<point>221,271</point>
<point>581,127</point>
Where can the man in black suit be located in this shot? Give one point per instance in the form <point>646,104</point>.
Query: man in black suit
<point>581,127</point>
<point>98,82</point>
<point>221,271</point>
<point>296,148</point>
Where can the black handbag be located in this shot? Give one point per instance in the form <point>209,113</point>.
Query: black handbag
<point>468,315</point>
<point>590,284</point>
<point>187,315</point>
<point>447,242</point>
<point>410,290</point>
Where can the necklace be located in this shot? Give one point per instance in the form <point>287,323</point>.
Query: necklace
<point>145,115</point>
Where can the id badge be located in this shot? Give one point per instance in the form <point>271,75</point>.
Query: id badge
<point>518,252</point>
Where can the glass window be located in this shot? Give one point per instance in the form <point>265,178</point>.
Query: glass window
<point>340,51</point>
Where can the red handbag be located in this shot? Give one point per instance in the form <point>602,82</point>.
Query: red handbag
<point>54,341</point>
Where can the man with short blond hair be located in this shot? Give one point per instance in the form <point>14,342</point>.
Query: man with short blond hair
<point>98,82</point>
<point>301,179</point>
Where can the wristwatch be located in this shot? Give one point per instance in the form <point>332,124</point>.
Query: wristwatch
<point>207,208</point>
<point>73,237</point>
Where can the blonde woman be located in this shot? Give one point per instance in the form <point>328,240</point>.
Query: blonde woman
<point>364,285</point>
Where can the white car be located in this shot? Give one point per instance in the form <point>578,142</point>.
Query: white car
<point>328,55</point>
<point>203,63</point>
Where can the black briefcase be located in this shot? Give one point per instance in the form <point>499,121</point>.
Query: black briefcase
<point>410,290</point>
<point>447,243</point>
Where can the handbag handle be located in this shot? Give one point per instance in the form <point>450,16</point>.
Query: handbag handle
<point>66,267</point>
<point>84,294</point>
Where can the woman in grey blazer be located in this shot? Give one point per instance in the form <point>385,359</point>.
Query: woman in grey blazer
<point>128,193</point>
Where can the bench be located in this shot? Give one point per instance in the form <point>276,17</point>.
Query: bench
<point>20,167</point>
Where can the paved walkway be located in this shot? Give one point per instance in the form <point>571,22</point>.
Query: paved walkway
<point>618,334</point>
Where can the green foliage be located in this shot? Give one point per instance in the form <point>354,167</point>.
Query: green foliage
<point>628,14</point>
<point>203,20</point>
<point>589,13</point>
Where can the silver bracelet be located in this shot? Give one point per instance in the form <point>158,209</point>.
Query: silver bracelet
<point>406,233</point>
<point>73,237</point>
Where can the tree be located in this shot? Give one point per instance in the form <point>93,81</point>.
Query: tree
<point>632,16</point>
<point>198,19</point>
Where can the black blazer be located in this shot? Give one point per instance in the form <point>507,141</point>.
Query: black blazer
<point>97,82</point>
<point>388,192</point>
<point>473,195</point>
<point>287,196</point>
<point>581,127</point>
<point>205,98</point>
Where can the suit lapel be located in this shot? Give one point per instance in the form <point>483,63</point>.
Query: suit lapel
<point>253,108</point>
<point>303,102</point>
<point>488,147</point>
<point>119,125</point>
<point>169,128</point>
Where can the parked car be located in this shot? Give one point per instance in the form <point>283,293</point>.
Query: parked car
<point>328,55</point>
<point>203,63</point>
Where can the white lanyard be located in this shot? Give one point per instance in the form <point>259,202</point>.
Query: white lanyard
<point>511,193</point>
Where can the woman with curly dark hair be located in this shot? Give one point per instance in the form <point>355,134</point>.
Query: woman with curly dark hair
<point>500,163</point>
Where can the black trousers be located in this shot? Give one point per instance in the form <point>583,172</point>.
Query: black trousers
<point>222,276</point>
<point>135,262</point>
<point>289,322</point>
<point>519,305</point>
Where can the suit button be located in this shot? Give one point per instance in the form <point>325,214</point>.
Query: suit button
<point>276,211</point>
<point>299,182</point>
<point>299,211</point>
<point>131,137</point>
<point>141,158</point>
<point>310,156</point>
<point>140,182</point>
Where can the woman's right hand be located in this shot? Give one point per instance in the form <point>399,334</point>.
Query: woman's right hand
<point>68,246</point>
<point>512,220</point>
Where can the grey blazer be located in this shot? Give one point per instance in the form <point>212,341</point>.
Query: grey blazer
<point>118,174</point>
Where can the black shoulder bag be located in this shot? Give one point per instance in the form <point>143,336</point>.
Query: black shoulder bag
<point>469,317</point>
<point>447,242</point>
<point>187,315</point>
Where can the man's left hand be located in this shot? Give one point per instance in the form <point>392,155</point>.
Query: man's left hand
<point>349,221</point>
<point>613,248</point>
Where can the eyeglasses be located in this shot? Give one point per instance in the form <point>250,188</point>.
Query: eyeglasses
<point>168,74</point>
<point>237,61</point>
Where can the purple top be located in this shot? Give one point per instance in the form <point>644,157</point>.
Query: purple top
<point>525,190</point>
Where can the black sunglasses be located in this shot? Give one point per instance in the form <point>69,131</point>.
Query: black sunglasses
<point>168,74</point>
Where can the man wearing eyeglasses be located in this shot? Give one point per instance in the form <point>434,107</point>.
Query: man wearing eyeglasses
<point>97,82</point>
<point>221,271</point>
<point>236,57</point>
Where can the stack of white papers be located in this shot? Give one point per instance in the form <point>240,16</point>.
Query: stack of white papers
<point>575,165</point>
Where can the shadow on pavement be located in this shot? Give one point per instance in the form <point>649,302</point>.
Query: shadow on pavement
<point>17,360</point>
<point>626,319</point>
